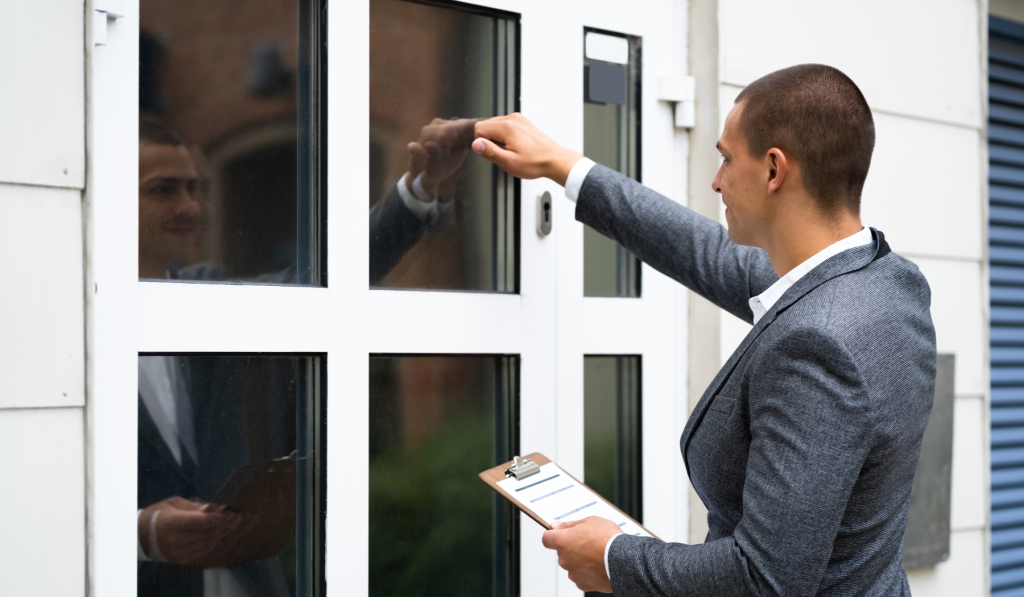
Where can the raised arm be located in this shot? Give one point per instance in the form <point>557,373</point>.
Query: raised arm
<point>677,242</point>
<point>687,247</point>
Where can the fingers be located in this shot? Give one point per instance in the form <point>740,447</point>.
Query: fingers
<point>183,504</point>
<point>494,129</point>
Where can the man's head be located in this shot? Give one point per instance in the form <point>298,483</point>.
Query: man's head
<point>169,202</point>
<point>804,131</point>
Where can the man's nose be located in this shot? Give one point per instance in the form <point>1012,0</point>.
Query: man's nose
<point>188,204</point>
<point>716,182</point>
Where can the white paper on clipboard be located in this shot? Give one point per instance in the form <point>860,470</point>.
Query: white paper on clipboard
<point>556,497</point>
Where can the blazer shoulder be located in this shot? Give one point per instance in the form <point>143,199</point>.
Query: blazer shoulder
<point>892,284</point>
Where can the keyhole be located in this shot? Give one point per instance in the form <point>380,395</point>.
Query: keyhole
<point>547,212</point>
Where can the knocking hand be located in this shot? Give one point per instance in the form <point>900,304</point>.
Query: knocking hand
<point>521,149</point>
<point>580,546</point>
<point>439,151</point>
<point>190,533</point>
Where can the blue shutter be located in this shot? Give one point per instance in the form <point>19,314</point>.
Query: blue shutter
<point>1006,256</point>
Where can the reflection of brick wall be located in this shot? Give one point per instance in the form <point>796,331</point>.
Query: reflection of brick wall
<point>403,92</point>
<point>206,46</point>
<point>435,391</point>
<point>425,61</point>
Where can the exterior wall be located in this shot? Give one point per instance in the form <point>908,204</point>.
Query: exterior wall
<point>1008,9</point>
<point>924,79</point>
<point>42,326</point>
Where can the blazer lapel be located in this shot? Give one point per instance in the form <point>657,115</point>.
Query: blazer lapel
<point>149,434</point>
<point>843,263</point>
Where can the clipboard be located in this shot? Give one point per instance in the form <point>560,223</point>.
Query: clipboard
<point>531,465</point>
<point>265,493</point>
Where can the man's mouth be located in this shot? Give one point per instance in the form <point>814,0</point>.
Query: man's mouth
<point>180,231</point>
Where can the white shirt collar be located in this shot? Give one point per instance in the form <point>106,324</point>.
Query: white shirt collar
<point>763,302</point>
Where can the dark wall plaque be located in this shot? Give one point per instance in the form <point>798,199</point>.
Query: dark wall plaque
<point>926,540</point>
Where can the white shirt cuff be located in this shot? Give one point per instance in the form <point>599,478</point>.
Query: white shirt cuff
<point>576,176</point>
<point>138,543</point>
<point>416,199</point>
<point>607,548</point>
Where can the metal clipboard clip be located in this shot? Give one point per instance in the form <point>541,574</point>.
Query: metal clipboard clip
<point>522,468</point>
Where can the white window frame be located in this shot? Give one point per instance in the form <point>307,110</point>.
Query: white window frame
<point>550,325</point>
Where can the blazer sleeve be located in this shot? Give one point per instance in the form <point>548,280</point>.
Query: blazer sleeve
<point>811,430</point>
<point>679,243</point>
<point>393,231</point>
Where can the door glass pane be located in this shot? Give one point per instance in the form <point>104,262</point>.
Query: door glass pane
<point>441,217</point>
<point>230,488</point>
<point>228,169</point>
<point>436,422</point>
<point>611,430</point>
<point>611,137</point>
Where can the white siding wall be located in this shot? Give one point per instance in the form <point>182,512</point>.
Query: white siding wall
<point>42,338</point>
<point>918,62</point>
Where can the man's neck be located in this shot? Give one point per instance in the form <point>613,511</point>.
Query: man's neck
<point>796,243</point>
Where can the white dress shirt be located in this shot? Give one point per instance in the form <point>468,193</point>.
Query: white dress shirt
<point>763,302</point>
<point>759,304</point>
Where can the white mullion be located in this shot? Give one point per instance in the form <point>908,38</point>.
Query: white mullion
<point>349,325</point>
<point>185,317</point>
<point>445,322</point>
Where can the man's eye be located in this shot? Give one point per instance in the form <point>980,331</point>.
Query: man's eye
<point>163,189</point>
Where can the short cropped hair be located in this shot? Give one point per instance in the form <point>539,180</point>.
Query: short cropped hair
<point>155,133</point>
<point>818,116</point>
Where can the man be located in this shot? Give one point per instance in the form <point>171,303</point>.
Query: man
<point>804,446</point>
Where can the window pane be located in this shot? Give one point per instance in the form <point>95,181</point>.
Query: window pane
<point>611,137</point>
<point>230,490</point>
<point>611,430</point>
<point>440,216</point>
<point>435,423</point>
<point>228,173</point>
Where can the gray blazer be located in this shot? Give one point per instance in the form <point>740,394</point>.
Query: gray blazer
<point>804,447</point>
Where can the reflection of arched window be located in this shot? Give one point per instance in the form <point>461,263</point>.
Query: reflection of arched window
<point>252,225</point>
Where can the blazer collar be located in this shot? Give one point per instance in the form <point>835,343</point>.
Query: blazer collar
<point>835,266</point>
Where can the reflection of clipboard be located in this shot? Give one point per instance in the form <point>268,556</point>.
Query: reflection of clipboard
<point>265,496</point>
<point>549,495</point>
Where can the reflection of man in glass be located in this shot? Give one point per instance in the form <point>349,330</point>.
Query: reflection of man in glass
<point>417,201</point>
<point>200,420</point>
<point>170,205</point>
<point>190,440</point>
<point>171,202</point>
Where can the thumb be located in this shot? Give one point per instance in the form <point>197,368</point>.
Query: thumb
<point>568,525</point>
<point>417,159</point>
<point>550,539</point>
<point>487,149</point>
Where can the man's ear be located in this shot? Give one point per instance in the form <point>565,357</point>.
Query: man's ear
<point>777,166</point>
